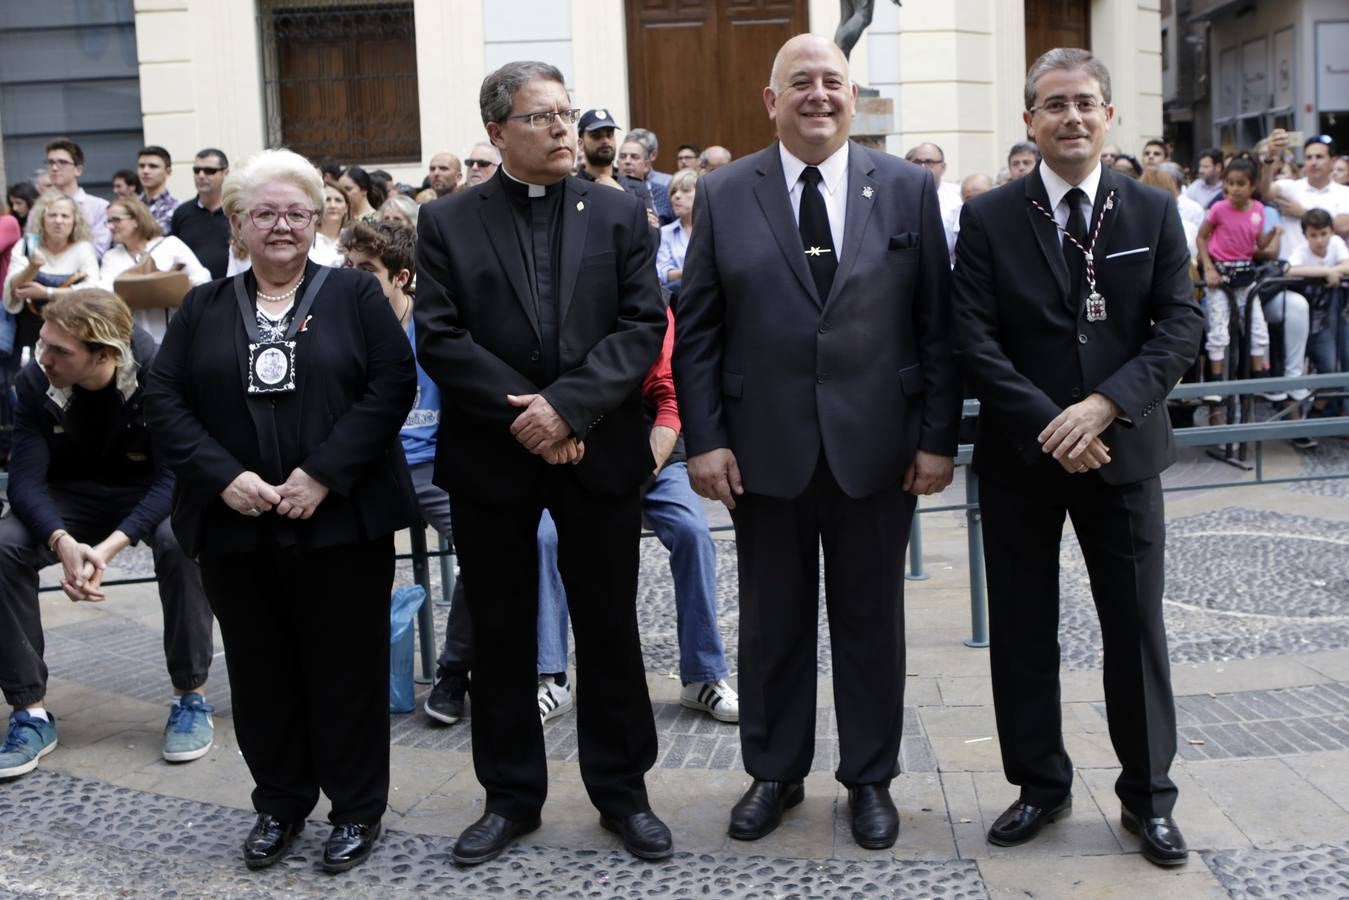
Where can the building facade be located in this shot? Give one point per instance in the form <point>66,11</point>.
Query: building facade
<point>1237,69</point>
<point>389,83</point>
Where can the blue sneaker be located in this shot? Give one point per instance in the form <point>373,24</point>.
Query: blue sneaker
<point>28,740</point>
<point>190,731</point>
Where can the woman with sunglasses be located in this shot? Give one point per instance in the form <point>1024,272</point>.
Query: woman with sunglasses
<point>277,397</point>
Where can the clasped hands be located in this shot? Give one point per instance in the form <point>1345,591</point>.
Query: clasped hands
<point>250,495</point>
<point>541,431</point>
<point>83,566</point>
<point>1072,437</point>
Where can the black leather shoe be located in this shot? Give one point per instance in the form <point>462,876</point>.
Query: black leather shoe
<point>875,821</point>
<point>487,837</point>
<point>1163,844</point>
<point>760,810</point>
<point>349,845</point>
<point>267,841</point>
<point>1023,821</point>
<point>645,835</point>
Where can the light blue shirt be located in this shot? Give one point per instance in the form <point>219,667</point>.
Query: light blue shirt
<point>418,433</point>
<point>674,243</point>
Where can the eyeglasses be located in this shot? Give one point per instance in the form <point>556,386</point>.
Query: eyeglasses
<point>207,170</point>
<point>117,220</point>
<point>546,119</point>
<point>296,217</point>
<point>929,162</point>
<point>687,157</point>
<point>479,163</point>
<point>59,163</point>
<point>1085,105</point>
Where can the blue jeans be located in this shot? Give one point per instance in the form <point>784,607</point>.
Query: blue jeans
<point>1328,348</point>
<point>675,514</point>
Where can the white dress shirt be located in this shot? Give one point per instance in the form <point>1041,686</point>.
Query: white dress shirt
<point>1057,188</point>
<point>833,185</point>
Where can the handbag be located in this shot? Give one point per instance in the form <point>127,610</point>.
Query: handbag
<point>52,281</point>
<point>146,286</point>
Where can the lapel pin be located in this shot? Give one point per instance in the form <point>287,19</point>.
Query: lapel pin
<point>867,192</point>
<point>1110,200</point>
<point>580,205</point>
<point>304,326</point>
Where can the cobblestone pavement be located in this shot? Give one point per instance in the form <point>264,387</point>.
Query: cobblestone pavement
<point>1257,608</point>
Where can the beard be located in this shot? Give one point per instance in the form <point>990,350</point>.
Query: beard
<point>601,157</point>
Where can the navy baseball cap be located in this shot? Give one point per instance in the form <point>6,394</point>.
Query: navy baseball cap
<point>594,119</point>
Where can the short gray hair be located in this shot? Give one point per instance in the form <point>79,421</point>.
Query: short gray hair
<point>683,180</point>
<point>404,204</point>
<point>1174,170</point>
<point>1066,58</point>
<point>264,168</point>
<point>497,94</point>
<point>646,138</point>
<point>1023,147</point>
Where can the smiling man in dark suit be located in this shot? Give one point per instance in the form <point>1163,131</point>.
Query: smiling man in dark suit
<point>1074,319</point>
<point>538,313</point>
<point>819,397</point>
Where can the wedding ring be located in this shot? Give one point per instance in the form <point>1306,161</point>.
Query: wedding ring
<point>255,512</point>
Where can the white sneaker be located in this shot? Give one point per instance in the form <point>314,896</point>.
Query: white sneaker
<point>716,698</point>
<point>554,698</point>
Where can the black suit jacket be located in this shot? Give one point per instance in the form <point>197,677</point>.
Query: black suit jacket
<point>1027,347</point>
<point>765,366</point>
<point>478,337</point>
<point>355,382</point>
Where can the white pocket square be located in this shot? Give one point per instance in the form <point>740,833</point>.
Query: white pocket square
<point>1128,252</point>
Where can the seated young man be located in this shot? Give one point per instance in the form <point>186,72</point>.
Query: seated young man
<point>675,513</point>
<point>85,484</point>
<point>388,251</point>
<point>1326,257</point>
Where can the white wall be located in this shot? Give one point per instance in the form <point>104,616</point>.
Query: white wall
<point>200,80</point>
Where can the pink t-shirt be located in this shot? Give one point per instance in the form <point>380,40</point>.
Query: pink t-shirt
<point>1235,231</point>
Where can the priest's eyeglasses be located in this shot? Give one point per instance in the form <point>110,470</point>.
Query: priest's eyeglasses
<point>1058,106</point>
<point>546,119</point>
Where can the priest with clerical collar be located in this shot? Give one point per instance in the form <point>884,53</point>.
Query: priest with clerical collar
<point>538,314</point>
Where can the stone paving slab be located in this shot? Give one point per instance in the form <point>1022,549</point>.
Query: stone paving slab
<point>154,844</point>
<point>1293,874</point>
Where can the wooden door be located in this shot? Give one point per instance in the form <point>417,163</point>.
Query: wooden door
<point>1056,23</point>
<point>697,69</point>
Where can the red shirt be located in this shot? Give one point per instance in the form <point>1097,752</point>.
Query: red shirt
<point>658,385</point>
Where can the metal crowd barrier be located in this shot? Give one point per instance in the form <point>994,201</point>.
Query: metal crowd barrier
<point>1199,436</point>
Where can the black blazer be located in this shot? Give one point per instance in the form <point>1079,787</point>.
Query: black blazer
<point>478,337</point>
<point>766,367</point>
<point>1028,350</point>
<point>355,382</point>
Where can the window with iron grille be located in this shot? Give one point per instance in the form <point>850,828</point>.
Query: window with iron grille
<point>340,80</point>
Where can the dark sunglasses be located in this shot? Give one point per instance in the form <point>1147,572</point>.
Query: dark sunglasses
<point>207,170</point>
<point>479,163</point>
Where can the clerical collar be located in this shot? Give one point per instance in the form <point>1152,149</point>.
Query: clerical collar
<point>1056,186</point>
<point>525,189</point>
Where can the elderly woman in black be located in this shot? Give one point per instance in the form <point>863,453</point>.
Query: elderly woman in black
<point>277,397</point>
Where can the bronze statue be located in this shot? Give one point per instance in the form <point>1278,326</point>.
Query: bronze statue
<point>854,16</point>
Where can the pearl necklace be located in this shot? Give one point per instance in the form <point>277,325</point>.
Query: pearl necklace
<point>277,298</point>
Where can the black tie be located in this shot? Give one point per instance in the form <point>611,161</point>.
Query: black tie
<point>815,235</point>
<point>1077,228</point>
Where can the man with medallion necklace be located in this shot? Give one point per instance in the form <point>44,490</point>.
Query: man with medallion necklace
<point>1074,318</point>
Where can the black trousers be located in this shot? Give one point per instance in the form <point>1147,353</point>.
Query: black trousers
<point>1122,532</point>
<point>778,543</point>
<point>90,518</point>
<point>597,558</point>
<point>307,645</point>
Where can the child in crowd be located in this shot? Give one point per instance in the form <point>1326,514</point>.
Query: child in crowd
<point>1232,234</point>
<point>1324,256</point>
